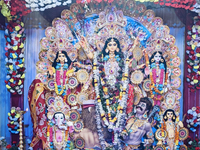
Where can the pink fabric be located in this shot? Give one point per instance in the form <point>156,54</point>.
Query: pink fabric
<point>130,99</point>
<point>58,76</point>
<point>51,134</point>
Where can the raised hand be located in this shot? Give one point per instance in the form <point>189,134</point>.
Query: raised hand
<point>83,42</point>
<point>50,69</point>
<point>136,42</point>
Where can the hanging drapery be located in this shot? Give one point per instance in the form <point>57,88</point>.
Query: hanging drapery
<point>4,94</point>
<point>32,46</point>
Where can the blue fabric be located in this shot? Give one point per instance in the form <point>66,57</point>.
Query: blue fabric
<point>4,94</point>
<point>179,34</point>
<point>32,49</point>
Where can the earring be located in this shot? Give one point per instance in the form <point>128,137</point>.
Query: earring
<point>165,117</point>
<point>106,50</point>
<point>162,60</point>
<point>152,60</point>
<point>174,117</point>
<point>117,49</point>
<point>134,109</point>
<point>145,115</point>
<point>65,59</point>
<point>57,60</point>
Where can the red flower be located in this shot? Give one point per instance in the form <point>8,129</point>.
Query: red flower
<point>195,120</point>
<point>198,50</point>
<point>189,38</point>
<point>8,146</point>
<point>190,116</point>
<point>197,148</point>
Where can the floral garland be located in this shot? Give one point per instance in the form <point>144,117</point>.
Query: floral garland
<point>186,4</point>
<point>154,88</point>
<point>102,90</point>
<point>110,1</point>
<point>41,5</point>
<point>193,54</point>
<point>193,118</point>
<point>15,38</point>
<point>13,117</point>
<point>14,34</point>
<point>196,7</point>
<point>193,144</point>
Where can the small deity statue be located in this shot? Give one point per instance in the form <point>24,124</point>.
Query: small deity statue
<point>59,125</point>
<point>170,125</point>
<point>61,69</point>
<point>138,126</point>
<point>158,75</point>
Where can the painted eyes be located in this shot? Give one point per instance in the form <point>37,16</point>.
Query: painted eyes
<point>61,56</point>
<point>112,44</point>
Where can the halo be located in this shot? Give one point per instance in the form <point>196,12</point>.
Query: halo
<point>43,55</point>
<point>42,66</point>
<point>146,85</point>
<point>71,100</point>
<point>81,54</point>
<point>183,147</point>
<point>175,83</point>
<point>72,82</point>
<point>49,99</point>
<point>177,93</point>
<point>78,127</point>
<point>183,134</point>
<point>159,147</point>
<point>79,143</point>
<point>137,53</point>
<point>72,54</point>
<point>176,72</point>
<point>74,116</point>
<point>137,77</point>
<point>159,135</point>
<point>51,55</point>
<point>50,85</point>
<point>82,97</point>
<point>82,76</point>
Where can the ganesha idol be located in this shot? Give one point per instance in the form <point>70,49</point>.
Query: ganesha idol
<point>59,125</point>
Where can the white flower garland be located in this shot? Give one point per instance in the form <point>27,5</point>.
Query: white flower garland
<point>122,104</point>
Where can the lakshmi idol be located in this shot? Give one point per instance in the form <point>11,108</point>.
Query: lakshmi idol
<point>61,68</point>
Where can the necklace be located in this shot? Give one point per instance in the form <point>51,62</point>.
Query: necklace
<point>103,109</point>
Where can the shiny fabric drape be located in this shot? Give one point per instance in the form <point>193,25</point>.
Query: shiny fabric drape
<point>4,94</point>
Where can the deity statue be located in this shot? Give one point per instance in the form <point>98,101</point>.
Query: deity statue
<point>137,126</point>
<point>159,73</point>
<point>111,65</point>
<point>59,126</point>
<point>62,69</point>
<point>172,130</point>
